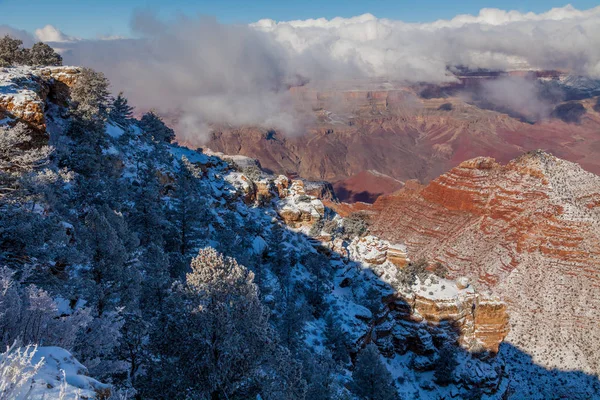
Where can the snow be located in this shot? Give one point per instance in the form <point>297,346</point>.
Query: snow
<point>192,156</point>
<point>441,289</point>
<point>259,245</point>
<point>114,131</point>
<point>60,376</point>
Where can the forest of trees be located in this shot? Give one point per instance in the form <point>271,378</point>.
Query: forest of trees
<point>40,54</point>
<point>146,279</point>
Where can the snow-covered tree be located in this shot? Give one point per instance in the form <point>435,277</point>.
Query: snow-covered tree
<point>17,371</point>
<point>42,54</point>
<point>90,95</point>
<point>11,52</point>
<point>214,342</point>
<point>372,380</point>
<point>18,155</point>
<point>155,128</point>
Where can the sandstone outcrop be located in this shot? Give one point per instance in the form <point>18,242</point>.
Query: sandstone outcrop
<point>295,207</point>
<point>24,91</point>
<point>480,321</point>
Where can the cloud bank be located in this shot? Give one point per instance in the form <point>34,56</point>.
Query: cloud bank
<point>206,72</point>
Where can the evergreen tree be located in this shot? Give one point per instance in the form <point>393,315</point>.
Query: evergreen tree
<point>18,156</point>
<point>335,339</point>
<point>11,52</point>
<point>121,112</point>
<point>132,346</point>
<point>213,343</point>
<point>372,380</point>
<point>291,313</point>
<point>155,128</point>
<point>41,55</point>
<point>147,215</point>
<point>187,214</point>
<point>321,371</point>
<point>279,257</point>
<point>90,96</point>
<point>109,243</point>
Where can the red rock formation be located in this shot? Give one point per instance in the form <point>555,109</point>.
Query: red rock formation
<point>404,137</point>
<point>480,321</point>
<point>529,231</point>
<point>24,90</point>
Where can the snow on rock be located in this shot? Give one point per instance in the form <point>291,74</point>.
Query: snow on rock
<point>372,250</point>
<point>23,91</point>
<point>294,206</point>
<point>192,156</point>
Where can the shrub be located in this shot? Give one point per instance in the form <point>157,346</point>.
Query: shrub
<point>252,172</point>
<point>355,225</point>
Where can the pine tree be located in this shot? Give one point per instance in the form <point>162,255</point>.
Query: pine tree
<point>41,55</point>
<point>155,128</point>
<point>291,315</point>
<point>11,52</point>
<point>121,112</point>
<point>320,372</point>
<point>90,96</point>
<point>279,257</point>
<point>335,339</point>
<point>109,243</point>
<point>187,213</point>
<point>214,339</point>
<point>147,215</point>
<point>372,380</point>
<point>132,346</point>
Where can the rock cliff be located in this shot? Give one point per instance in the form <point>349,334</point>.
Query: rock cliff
<point>25,90</point>
<point>529,231</point>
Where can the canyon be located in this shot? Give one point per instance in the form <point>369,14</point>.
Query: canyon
<point>527,231</point>
<point>367,138</point>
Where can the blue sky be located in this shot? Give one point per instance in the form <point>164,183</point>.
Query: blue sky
<point>88,19</point>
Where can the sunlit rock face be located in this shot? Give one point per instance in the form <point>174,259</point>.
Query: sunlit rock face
<point>295,207</point>
<point>480,321</point>
<point>369,139</point>
<point>24,92</point>
<point>529,231</point>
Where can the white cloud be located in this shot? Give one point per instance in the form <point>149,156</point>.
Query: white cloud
<point>209,72</point>
<point>50,33</point>
<point>560,38</point>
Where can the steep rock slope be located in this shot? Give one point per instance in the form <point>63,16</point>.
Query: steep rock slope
<point>529,231</point>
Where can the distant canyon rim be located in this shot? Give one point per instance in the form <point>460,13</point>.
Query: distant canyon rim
<point>367,137</point>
